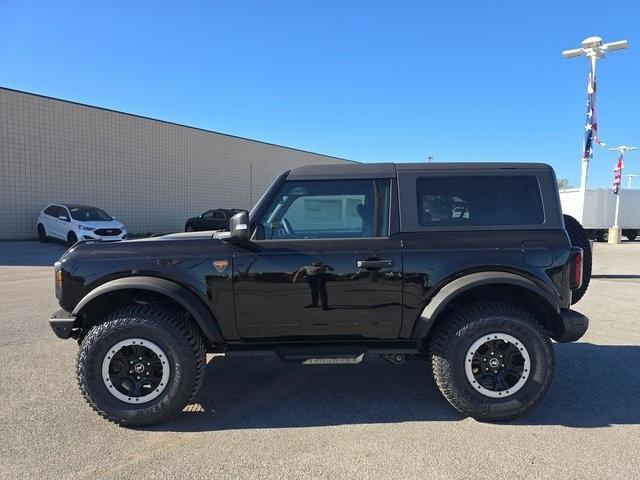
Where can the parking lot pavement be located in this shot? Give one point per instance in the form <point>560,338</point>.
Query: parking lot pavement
<point>258,418</point>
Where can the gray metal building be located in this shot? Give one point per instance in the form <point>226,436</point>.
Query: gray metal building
<point>148,173</point>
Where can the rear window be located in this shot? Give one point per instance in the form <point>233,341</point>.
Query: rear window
<point>479,201</point>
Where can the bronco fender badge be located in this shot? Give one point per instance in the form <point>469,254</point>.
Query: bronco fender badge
<point>220,265</point>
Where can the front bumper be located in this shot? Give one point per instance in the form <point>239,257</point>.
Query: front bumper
<point>62,323</point>
<point>110,238</point>
<point>572,326</point>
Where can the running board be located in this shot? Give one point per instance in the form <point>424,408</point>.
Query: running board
<point>311,359</point>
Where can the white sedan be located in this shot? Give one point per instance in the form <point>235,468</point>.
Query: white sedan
<point>71,222</point>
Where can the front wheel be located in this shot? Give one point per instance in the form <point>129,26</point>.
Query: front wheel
<point>492,361</point>
<point>72,239</point>
<point>142,365</point>
<point>189,228</point>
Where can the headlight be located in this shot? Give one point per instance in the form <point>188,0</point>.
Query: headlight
<point>84,227</point>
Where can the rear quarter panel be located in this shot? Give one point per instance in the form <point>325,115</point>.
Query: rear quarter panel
<point>433,256</point>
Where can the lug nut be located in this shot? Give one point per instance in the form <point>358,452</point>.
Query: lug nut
<point>138,378</point>
<point>139,358</point>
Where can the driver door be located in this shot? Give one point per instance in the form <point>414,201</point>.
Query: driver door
<point>322,263</point>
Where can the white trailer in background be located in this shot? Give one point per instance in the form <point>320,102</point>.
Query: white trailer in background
<point>599,211</point>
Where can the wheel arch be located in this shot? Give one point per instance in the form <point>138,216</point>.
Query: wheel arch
<point>501,286</point>
<point>111,295</point>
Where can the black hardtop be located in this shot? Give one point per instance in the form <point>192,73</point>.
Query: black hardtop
<point>389,170</point>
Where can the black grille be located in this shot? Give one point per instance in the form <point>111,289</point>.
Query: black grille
<point>108,232</point>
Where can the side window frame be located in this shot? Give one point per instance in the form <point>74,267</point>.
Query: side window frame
<point>393,223</point>
<point>409,221</point>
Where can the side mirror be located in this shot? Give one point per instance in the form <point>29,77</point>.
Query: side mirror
<point>62,217</point>
<point>239,227</point>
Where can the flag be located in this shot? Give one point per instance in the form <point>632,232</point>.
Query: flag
<point>617,176</point>
<point>591,127</point>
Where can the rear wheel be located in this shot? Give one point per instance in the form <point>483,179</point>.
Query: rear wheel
<point>630,234</point>
<point>142,365</point>
<point>42,233</point>
<point>189,228</point>
<point>579,238</point>
<point>492,361</point>
<point>71,239</point>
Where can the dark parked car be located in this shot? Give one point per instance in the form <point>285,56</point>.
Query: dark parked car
<point>217,219</point>
<point>467,266</point>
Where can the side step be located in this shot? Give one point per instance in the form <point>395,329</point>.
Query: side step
<point>315,353</point>
<point>315,359</point>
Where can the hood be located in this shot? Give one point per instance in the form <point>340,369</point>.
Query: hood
<point>183,245</point>
<point>101,224</point>
<point>211,234</point>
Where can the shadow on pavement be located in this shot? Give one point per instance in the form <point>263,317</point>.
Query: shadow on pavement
<point>594,386</point>
<point>30,253</point>
<point>615,276</point>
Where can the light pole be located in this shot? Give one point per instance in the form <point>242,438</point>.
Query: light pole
<point>614,232</point>
<point>630,176</point>
<point>593,48</point>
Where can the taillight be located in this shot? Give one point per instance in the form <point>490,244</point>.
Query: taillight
<point>577,266</point>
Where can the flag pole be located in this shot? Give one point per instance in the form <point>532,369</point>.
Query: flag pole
<point>593,48</point>
<point>614,232</point>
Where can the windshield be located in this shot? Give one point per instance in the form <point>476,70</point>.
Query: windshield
<point>89,214</point>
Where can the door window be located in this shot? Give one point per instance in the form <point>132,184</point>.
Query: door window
<point>52,211</point>
<point>327,209</point>
<point>218,216</point>
<point>62,212</point>
<point>208,214</point>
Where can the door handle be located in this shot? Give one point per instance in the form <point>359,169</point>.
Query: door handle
<point>374,263</point>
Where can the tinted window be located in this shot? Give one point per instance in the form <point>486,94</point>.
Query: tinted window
<point>479,200</point>
<point>208,214</point>
<point>52,210</point>
<point>327,209</point>
<point>218,216</point>
<point>89,214</point>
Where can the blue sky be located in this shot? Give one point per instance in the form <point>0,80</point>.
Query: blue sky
<point>370,81</point>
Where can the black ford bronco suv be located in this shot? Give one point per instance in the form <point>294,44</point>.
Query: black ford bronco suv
<point>466,265</point>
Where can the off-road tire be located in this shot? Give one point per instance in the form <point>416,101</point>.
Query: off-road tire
<point>457,332</point>
<point>42,234</point>
<point>579,238</point>
<point>71,239</point>
<point>163,325</point>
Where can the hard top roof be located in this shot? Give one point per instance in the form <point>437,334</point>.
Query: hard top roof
<point>386,170</point>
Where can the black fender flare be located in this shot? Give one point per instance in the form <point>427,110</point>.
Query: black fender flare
<point>180,294</point>
<point>451,290</point>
